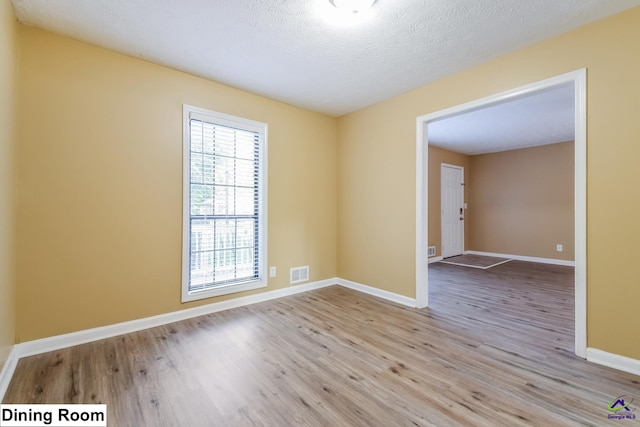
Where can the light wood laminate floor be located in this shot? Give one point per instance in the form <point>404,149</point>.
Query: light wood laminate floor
<point>494,348</point>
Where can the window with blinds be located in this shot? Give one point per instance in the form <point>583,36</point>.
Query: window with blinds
<point>224,198</point>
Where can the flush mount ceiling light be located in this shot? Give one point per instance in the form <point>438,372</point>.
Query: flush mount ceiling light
<point>352,6</point>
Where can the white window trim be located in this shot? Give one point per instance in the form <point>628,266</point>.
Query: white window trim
<point>189,112</point>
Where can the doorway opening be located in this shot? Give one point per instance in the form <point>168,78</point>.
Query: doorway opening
<point>578,79</point>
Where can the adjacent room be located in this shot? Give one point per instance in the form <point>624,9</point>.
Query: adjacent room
<point>246,213</point>
<point>501,210</point>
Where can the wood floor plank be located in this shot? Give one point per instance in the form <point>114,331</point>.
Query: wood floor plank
<point>495,347</point>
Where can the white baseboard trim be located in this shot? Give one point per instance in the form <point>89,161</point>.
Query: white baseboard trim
<point>615,361</point>
<point>389,296</point>
<point>7,371</point>
<point>44,345</point>
<point>434,259</point>
<point>525,258</point>
<point>58,342</point>
<point>31,348</point>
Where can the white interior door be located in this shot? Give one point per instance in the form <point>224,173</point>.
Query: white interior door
<point>452,209</point>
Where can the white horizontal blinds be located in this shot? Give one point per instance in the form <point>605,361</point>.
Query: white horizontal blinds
<point>224,205</point>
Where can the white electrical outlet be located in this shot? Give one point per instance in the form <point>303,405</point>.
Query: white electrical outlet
<point>272,271</point>
<point>559,248</point>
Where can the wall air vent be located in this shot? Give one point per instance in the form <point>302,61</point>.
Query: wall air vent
<point>432,251</point>
<point>299,274</point>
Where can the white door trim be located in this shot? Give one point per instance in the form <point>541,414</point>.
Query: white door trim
<point>461,169</point>
<point>579,79</point>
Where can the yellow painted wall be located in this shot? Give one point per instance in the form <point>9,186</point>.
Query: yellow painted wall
<point>99,173</point>
<point>521,202</point>
<point>100,185</point>
<point>8,45</point>
<point>437,156</point>
<point>376,214</point>
<point>377,174</point>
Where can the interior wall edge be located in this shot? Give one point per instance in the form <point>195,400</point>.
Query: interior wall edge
<point>8,142</point>
<point>6,373</point>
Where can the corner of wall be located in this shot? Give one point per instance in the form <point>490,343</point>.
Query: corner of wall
<point>6,371</point>
<point>8,76</point>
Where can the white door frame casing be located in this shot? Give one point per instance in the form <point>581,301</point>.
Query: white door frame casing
<point>579,79</point>
<point>459,223</point>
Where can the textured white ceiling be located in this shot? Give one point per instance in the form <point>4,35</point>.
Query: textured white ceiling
<point>543,118</point>
<point>296,52</point>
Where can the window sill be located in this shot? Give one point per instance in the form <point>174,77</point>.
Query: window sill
<point>223,290</point>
